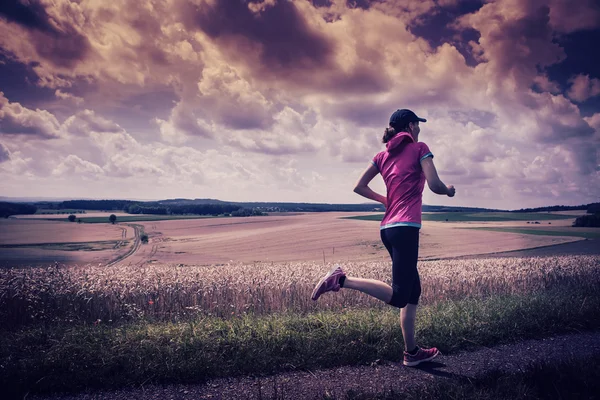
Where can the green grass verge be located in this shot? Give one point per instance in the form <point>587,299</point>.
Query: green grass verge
<point>569,379</point>
<point>482,217</point>
<point>564,232</point>
<point>71,358</point>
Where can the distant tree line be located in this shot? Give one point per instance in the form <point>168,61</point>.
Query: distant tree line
<point>98,205</point>
<point>204,208</point>
<point>246,212</point>
<point>158,208</point>
<point>312,207</point>
<point>7,209</point>
<point>554,208</point>
<point>200,209</point>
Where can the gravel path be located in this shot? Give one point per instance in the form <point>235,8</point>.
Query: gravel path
<point>376,378</point>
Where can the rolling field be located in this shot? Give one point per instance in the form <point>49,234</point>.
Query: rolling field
<point>329,237</point>
<point>39,242</point>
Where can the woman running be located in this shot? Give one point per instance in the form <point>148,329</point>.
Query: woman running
<point>404,165</point>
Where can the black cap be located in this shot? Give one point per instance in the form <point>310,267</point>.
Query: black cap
<point>400,117</point>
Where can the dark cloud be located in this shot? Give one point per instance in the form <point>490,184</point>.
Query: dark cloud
<point>363,4</point>
<point>534,38</point>
<point>30,14</point>
<point>280,33</point>
<point>437,28</point>
<point>321,3</point>
<point>579,57</point>
<point>17,82</point>
<point>62,45</point>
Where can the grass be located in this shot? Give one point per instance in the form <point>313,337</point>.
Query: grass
<point>562,232</point>
<point>482,216</point>
<point>72,358</point>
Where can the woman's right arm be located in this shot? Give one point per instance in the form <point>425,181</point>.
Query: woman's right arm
<point>362,186</point>
<point>433,180</point>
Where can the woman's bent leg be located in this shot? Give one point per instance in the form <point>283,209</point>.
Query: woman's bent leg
<point>372,287</point>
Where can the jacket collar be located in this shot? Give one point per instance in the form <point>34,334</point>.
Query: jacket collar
<point>397,140</point>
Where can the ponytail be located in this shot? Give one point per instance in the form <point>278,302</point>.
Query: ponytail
<point>388,134</point>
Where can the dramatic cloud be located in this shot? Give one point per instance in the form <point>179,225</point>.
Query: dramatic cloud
<point>287,100</point>
<point>18,120</point>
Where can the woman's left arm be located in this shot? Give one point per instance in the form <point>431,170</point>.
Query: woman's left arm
<point>362,186</point>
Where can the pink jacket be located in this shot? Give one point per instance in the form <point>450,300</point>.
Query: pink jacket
<point>400,167</point>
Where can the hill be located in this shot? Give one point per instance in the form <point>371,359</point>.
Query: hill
<point>208,206</point>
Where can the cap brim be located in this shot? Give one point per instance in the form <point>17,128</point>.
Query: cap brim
<point>421,119</point>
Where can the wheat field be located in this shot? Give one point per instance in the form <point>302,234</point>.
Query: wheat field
<point>94,293</point>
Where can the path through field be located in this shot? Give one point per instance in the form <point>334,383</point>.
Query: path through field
<point>464,367</point>
<point>134,247</point>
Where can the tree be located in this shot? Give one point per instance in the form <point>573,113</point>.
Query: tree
<point>588,221</point>
<point>72,218</point>
<point>112,218</point>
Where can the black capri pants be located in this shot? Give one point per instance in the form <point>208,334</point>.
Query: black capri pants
<point>402,242</point>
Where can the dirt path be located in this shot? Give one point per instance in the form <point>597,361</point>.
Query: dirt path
<point>134,247</point>
<point>373,379</point>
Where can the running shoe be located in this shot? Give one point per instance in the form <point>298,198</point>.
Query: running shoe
<point>330,282</point>
<point>422,355</point>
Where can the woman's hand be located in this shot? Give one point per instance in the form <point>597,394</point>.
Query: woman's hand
<point>451,191</point>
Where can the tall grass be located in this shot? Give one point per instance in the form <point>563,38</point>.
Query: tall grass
<point>177,293</point>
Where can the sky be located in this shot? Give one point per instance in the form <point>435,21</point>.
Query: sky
<point>287,100</point>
